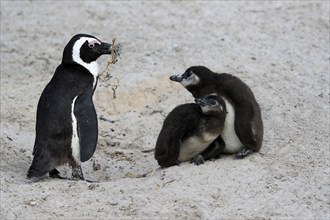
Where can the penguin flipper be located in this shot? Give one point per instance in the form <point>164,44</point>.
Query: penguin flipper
<point>85,114</point>
<point>214,150</point>
<point>167,150</point>
<point>245,118</point>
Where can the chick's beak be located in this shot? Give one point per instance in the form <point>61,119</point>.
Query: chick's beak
<point>201,102</point>
<point>176,78</point>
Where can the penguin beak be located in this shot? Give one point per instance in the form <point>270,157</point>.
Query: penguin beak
<point>202,102</point>
<point>199,101</point>
<point>176,78</point>
<point>105,48</point>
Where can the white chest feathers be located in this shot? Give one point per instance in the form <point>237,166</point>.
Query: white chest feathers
<point>194,145</point>
<point>228,134</point>
<point>92,67</point>
<point>75,144</point>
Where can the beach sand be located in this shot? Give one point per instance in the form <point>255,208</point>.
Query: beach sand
<point>280,49</point>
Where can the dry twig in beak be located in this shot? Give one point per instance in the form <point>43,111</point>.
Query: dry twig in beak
<point>105,75</point>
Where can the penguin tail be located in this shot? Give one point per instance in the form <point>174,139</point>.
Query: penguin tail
<point>39,168</point>
<point>34,173</point>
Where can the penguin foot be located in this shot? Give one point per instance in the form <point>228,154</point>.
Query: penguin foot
<point>54,173</point>
<point>243,153</point>
<point>77,173</point>
<point>198,160</point>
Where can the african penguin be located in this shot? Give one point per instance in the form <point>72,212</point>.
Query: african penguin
<point>243,130</point>
<point>188,130</point>
<point>66,126</point>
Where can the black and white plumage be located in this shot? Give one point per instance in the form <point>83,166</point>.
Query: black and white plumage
<point>188,130</point>
<point>66,126</point>
<point>243,128</point>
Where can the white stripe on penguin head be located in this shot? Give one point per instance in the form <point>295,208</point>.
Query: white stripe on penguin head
<point>191,80</point>
<point>92,67</point>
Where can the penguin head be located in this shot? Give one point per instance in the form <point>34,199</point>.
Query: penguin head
<point>193,76</point>
<point>84,49</point>
<point>211,104</point>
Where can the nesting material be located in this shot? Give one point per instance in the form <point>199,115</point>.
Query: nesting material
<point>105,76</point>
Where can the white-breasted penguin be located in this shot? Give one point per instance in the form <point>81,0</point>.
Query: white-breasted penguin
<point>188,130</point>
<point>243,130</point>
<point>66,126</point>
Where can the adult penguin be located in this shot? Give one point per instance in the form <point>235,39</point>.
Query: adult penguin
<point>246,121</point>
<point>66,127</point>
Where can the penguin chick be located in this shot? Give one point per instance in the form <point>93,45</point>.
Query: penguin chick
<point>66,126</point>
<point>188,130</point>
<point>243,128</point>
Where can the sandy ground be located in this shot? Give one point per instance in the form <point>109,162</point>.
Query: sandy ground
<point>280,49</point>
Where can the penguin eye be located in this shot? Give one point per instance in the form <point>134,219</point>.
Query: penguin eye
<point>91,45</point>
<point>213,102</point>
<point>189,74</point>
